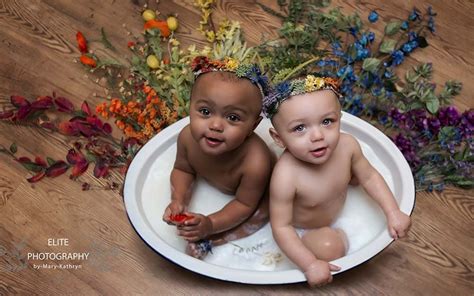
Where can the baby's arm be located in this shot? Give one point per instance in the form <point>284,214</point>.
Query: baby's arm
<point>375,185</point>
<point>182,179</point>
<point>256,173</point>
<point>282,195</point>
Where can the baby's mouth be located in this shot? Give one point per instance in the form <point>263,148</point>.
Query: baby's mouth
<point>213,142</point>
<point>319,151</point>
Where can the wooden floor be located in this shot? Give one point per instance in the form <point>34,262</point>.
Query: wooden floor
<point>38,48</point>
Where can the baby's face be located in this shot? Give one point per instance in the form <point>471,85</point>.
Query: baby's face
<point>308,125</point>
<point>223,113</point>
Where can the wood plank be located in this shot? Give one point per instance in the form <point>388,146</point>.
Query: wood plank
<point>37,41</point>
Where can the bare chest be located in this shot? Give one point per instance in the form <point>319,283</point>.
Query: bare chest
<point>322,186</point>
<point>221,174</point>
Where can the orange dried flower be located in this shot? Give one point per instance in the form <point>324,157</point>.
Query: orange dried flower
<point>160,25</point>
<point>81,42</point>
<point>88,61</point>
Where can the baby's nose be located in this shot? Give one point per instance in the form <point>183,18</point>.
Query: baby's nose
<point>316,135</point>
<point>216,125</point>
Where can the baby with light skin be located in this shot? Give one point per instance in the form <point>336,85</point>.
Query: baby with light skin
<point>310,180</point>
<point>220,146</point>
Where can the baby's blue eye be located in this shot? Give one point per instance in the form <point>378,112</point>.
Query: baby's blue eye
<point>204,111</point>
<point>299,128</point>
<point>233,117</point>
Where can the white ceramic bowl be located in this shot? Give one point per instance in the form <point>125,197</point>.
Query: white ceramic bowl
<point>147,193</point>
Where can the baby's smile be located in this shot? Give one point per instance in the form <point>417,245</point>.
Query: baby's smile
<point>213,142</point>
<point>319,152</point>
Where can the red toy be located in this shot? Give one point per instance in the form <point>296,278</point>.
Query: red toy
<point>179,218</point>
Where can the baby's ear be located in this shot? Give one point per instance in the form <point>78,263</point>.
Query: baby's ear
<point>276,137</point>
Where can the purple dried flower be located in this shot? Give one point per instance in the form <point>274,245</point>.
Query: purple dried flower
<point>449,116</point>
<point>408,150</point>
<point>434,125</point>
<point>466,125</point>
<point>398,118</point>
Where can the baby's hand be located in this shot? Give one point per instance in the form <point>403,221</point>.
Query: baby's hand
<point>319,273</point>
<point>174,208</point>
<point>398,223</point>
<point>195,228</point>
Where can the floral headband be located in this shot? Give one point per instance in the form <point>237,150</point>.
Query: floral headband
<point>288,88</point>
<point>202,64</point>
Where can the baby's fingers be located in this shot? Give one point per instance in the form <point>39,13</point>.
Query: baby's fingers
<point>393,233</point>
<point>333,267</point>
<point>401,232</point>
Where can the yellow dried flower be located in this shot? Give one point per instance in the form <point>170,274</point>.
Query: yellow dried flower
<point>309,83</point>
<point>231,63</point>
<point>174,42</point>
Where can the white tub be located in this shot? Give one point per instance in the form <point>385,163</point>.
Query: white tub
<point>255,259</point>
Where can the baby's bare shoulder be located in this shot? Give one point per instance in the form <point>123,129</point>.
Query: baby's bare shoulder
<point>287,164</point>
<point>184,136</point>
<point>257,155</point>
<point>349,143</point>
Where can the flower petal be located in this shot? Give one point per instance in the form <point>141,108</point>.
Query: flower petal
<point>48,125</point>
<point>88,61</point>
<point>84,129</point>
<point>74,157</point>
<point>37,177</point>
<point>68,129</point>
<point>81,42</point>
<point>23,112</point>
<point>160,25</point>
<point>58,168</point>
<point>101,169</point>
<point>40,161</point>
<point>85,108</point>
<point>6,114</point>
<point>79,168</point>
<point>64,105</point>
<point>42,103</point>
<point>18,101</point>
<point>107,128</point>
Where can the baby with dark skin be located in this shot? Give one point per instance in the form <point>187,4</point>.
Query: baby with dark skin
<point>220,146</point>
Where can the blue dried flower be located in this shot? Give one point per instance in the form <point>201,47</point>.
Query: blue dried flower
<point>353,31</point>
<point>398,57</point>
<point>412,36</point>
<point>337,49</point>
<point>371,37</point>
<point>361,51</point>
<point>404,25</point>
<point>388,73</point>
<point>414,15</point>
<point>373,16</point>
<point>407,47</point>
<point>431,11</point>
<point>431,24</point>
<point>363,40</point>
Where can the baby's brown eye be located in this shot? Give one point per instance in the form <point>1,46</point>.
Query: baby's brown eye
<point>233,118</point>
<point>204,111</point>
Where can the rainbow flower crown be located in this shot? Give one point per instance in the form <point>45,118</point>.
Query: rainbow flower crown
<point>288,88</point>
<point>202,64</point>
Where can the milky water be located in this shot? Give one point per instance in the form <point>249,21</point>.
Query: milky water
<point>361,218</point>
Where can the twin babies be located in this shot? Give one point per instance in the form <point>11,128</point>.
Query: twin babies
<point>303,192</point>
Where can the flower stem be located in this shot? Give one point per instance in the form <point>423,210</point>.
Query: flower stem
<point>300,66</point>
